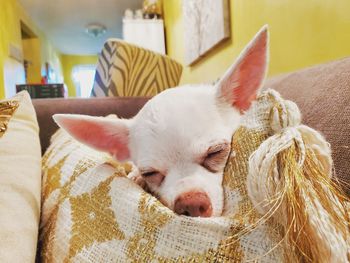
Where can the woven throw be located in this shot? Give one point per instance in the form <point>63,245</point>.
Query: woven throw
<point>92,212</point>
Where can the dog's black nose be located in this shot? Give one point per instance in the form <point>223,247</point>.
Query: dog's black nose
<point>194,204</point>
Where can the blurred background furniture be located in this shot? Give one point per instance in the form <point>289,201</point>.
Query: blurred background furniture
<point>39,91</point>
<point>146,33</point>
<point>145,27</point>
<point>127,70</point>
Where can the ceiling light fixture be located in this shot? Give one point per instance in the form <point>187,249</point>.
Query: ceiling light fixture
<point>95,30</point>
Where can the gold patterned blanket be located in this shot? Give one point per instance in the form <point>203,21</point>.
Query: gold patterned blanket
<point>91,211</point>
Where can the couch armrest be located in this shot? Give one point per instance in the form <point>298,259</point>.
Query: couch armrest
<point>125,107</point>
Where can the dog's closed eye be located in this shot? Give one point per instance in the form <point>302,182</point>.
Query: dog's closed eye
<point>149,174</point>
<point>216,156</point>
<point>152,176</point>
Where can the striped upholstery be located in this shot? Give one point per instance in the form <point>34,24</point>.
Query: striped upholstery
<point>127,70</point>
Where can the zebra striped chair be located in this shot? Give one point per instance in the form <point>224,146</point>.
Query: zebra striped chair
<point>127,70</point>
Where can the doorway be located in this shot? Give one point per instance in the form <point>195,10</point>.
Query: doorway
<point>83,77</point>
<point>31,55</point>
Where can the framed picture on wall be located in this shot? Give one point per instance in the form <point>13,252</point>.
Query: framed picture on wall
<point>206,23</point>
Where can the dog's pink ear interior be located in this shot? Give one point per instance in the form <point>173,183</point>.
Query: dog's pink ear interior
<point>103,134</point>
<point>240,84</point>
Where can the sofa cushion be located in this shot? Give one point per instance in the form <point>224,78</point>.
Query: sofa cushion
<point>20,179</point>
<point>323,95</point>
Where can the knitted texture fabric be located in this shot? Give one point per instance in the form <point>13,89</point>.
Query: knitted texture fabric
<point>91,211</point>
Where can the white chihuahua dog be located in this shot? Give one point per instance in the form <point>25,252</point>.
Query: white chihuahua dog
<point>180,140</point>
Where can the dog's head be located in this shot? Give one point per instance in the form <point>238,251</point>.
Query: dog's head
<point>180,140</point>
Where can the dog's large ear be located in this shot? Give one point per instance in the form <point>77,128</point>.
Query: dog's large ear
<point>103,134</point>
<point>240,84</point>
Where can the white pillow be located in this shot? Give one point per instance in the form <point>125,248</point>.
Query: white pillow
<point>20,179</point>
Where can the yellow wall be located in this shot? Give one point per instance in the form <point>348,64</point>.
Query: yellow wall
<point>303,33</point>
<point>11,13</point>
<point>68,64</point>
<point>32,53</point>
<point>9,33</point>
<point>48,52</point>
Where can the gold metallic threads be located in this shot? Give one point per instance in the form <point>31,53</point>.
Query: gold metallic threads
<point>53,180</point>
<point>304,186</point>
<point>93,219</point>
<point>7,109</point>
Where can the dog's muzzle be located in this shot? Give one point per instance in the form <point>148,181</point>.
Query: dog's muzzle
<point>193,203</point>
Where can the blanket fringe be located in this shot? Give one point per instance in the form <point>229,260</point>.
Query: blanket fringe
<point>290,181</point>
